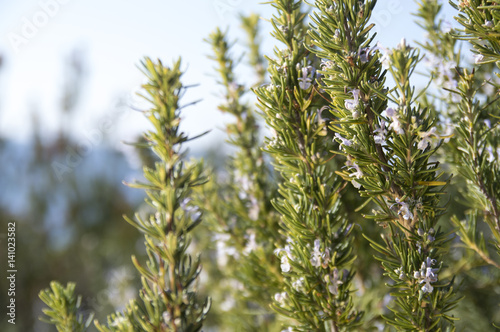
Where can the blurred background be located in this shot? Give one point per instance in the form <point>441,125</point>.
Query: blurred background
<point>68,79</point>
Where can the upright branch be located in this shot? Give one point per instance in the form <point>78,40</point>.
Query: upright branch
<point>388,140</point>
<point>315,262</point>
<point>245,223</point>
<point>480,26</point>
<point>250,25</point>
<point>169,280</point>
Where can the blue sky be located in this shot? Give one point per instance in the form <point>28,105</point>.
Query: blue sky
<point>114,35</point>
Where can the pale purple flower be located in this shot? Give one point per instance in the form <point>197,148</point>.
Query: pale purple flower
<point>404,210</point>
<point>344,141</point>
<point>352,104</point>
<point>381,133</point>
<point>386,56</point>
<point>358,174</point>
<point>316,254</point>
<point>426,138</point>
<point>333,282</point>
<point>364,54</point>
<point>395,124</point>
<point>251,244</point>
<point>298,284</point>
<point>305,81</point>
<point>427,275</point>
<point>285,256</point>
<point>478,58</point>
<point>281,297</point>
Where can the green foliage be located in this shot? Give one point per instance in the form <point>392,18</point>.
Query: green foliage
<point>316,260</point>
<point>168,296</point>
<point>244,213</point>
<point>479,19</point>
<point>385,135</point>
<point>361,174</point>
<point>64,308</point>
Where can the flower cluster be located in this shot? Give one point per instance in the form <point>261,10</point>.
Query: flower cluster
<point>318,257</point>
<point>427,275</point>
<point>306,77</point>
<point>394,123</point>
<point>285,254</point>
<point>352,104</point>
<point>404,210</point>
<point>333,282</point>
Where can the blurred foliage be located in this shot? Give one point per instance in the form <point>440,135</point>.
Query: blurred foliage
<point>66,197</point>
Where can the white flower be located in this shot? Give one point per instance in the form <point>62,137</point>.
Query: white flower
<point>298,284</point>
<point>395,125</point>
<point>285,264</point>
<point>381,133</point>
<point>253,209</point>
<point>450,84</point>
<point>404,210</point>
<point>364,54</point>
<point>427,275</point>
<point>478,58</point>
<point>286,256</point>
<point>426,138</point>
<point>223,250</point>
<point>337,34</point>
<point>244,183</point>
<point>344,141</point>
<point>352,104</point>
<point>228,303</point>
<point>281,297</point>
<point>447,69</point>
<point>120,321</point>
<point>358,174</point>
<point>318,257</point>
<point>316,254</point>
<point>399,271</point>
<point>166,317</point>
<point>402,44</point>
<point>333,282</point>
<point>386,56</point>
<point>326,64</point>
<point>251,244</point>
<point>305,81</point>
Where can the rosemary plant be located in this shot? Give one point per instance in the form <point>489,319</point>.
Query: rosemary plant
<point>352,154</point>
<point>316,260</point>
<point>386,137</point>
<point>168,300</point>
<point>244,221</point>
